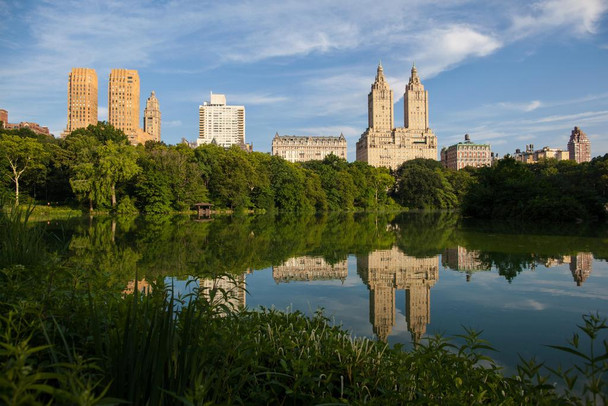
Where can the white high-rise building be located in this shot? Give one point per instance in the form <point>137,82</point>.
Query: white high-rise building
<point>221,124</point>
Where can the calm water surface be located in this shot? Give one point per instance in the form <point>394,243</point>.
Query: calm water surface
<point>397,278</point>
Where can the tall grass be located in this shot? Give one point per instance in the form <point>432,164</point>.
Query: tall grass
<point>20,242</point>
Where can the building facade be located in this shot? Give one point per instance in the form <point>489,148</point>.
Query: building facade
<point>300,149</point>
<point>123,104</point>
<point>152,117</point>
<point>383,145</point>
<point>35,127</point>
<point>579,146</point>
<point>465,154</point>
<point>221,124</point>
<point>3,118</point>
<point>82,99</point>
<point>530,155</point>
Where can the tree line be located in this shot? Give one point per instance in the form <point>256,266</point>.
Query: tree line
<point>97,169</point>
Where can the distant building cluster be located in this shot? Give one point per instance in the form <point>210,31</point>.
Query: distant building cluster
<point>465,154</point>
<point>123,104</point>
<point>301,148</point>
<point>35,127</point>
<point>382,144</point>
<point>579,150</point>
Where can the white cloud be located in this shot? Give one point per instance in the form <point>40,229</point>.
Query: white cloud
<point>255,99</point>
<point>102,113</point>
<point>528,304</point>
<point>527,107</point>
<point>172,123</point>
<point>579,17</point>
<point>443,48</point>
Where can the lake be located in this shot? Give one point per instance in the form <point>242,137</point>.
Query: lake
<point>396,277</point>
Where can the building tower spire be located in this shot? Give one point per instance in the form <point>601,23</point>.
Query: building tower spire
<point>415,103</point>
<point>380,103</point>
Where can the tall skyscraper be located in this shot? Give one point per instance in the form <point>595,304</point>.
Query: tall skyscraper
<point>82,99</point>
<point>123,102</point>
<point>152,118</point>
<point>579,146</point>
<point>220,123</point>
<point>382,144</point>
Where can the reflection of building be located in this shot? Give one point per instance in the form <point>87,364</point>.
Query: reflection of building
<point>152,118</point>
<point>82,99</point>
<point>224,290</point>
<point>142,286</point>
<point>300,149</point>
<point>384,271</point>
<point>579,147</point>
<point>581,266</point>
<point>221,124</point>
<point>309,268</point>
<point>462,259</point>
<point>465,154</point>
<point>383,145</point>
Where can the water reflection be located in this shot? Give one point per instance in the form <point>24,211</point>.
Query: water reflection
<point>309,268</point>
<point>384,272</point>
<point>463,260</point>
<point>364,269</point>
<point>225,292</point>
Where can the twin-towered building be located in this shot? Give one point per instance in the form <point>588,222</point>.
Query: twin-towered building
<point>123,104</point>
<point>381,144</point>
<point>384,145</point>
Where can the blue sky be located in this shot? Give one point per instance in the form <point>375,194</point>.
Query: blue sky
<point>509,73</point>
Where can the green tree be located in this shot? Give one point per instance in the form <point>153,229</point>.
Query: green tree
<point>103,132</point>
<point>21,154</point>
<point>422,184</point>
<point>117,163</point>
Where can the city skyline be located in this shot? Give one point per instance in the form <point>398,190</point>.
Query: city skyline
<point>507,74</point>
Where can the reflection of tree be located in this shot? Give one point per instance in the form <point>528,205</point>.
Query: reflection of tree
<point>158,246</point>
<point>425,234</point>
<point>508,265</point>
<point>99,258</point>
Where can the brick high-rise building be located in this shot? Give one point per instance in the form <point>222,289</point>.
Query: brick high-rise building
<point>3,118</point>
<point>579,146</point>
<point>82,99</point>
<point>152,117</point>
<point>221,124</point>
<point>465,154</point>
<point>123,104</point>
<point>383,145</point>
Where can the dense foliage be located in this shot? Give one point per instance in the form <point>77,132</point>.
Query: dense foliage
<point>96,168</point>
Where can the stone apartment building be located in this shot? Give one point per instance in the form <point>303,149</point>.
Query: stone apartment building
<point>384,145</point>
<point>301,148</point>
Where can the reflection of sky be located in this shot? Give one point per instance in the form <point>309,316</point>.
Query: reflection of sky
<point>536,309</point>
